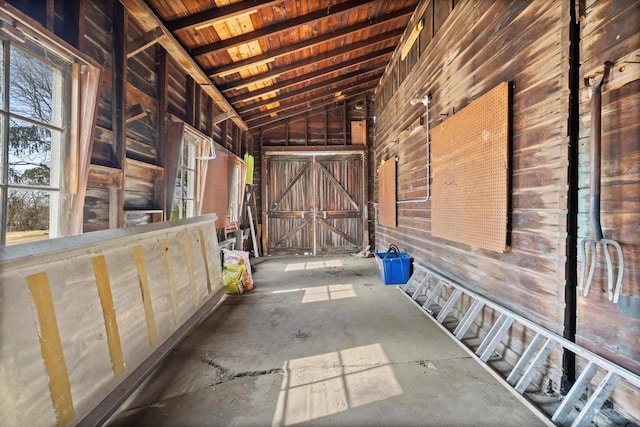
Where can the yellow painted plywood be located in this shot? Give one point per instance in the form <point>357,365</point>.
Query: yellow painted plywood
<point>470,157</point>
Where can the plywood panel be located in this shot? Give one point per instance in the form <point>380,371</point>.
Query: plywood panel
<point>387,200</point>
<point>470,167</point>
<point>359,132</point>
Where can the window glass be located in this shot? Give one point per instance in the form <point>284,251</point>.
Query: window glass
<point>30,153</point>
<point>38,95</point>
<point>28,214</point>
<point>31,89</point>
<point>184,203</point>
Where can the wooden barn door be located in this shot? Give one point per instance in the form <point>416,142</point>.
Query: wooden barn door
<point>315,203</point>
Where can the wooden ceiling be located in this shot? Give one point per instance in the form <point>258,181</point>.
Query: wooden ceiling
<point>270,59</point>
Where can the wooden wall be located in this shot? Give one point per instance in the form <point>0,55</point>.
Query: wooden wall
<point>128,188</point>
<point>328,126</point>
<point>610,32</point>
<point>469,47</point>
<point>463,52</point>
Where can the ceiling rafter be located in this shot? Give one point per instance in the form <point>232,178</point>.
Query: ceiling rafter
<point>327,96</point>
<point>238,84</point>
<point>215,14</point>
<point>148,21</point>
<point>279,27</point>
<point>313,75</point>
<point>326,83</point>
<point>275,121</point>
<point>258,59</point>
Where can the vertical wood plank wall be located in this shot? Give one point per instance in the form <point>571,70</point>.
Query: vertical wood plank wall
<point>142,186</point>
<point>479,45</point>
<point>609,32</point>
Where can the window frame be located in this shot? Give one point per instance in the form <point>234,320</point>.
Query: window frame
<point>81,105</point>
<point>59,134</point>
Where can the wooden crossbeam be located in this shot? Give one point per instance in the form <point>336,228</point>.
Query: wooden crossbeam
<point>274,29</point>
<point>343,80</point>
<point>275,121</point>
<point>215,14</point>
<point>306,77</point>
<point>338,185</point>
<point>293,231</point>
<point>221,118</point>
<point>258,59</point>
<point>144,41</point>
<point>147,19</point>
<point>289,186</point>
<point>326,98</point>
<point>313,59</point>
<point>135,112</point>
<point>337,231</point>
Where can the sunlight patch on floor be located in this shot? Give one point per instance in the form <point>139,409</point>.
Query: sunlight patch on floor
<point>322,293</point>
<point>315,265</point>
<point>319,386</point>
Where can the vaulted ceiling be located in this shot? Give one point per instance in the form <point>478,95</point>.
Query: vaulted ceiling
<point>274,59</point>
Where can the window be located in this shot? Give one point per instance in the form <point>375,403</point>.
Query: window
<point>196,150</point>
<point>34,114</point>
<point>184,202</point>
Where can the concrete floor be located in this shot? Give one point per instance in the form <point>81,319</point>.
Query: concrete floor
<point>321,341</point>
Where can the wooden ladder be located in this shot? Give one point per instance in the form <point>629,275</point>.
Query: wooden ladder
<point>426,288</point>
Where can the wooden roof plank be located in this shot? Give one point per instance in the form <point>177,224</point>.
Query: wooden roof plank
<point>319,73</point>
<point>276,121</point>
<point>270,55</point>
<point>277,28</point>
<point>309,61</point>
<point>325,97</point>
<point>215,14</point>
<point>148,20</point>
<point>340,79</point>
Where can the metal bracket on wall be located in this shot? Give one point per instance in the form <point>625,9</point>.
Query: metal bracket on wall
<point>438,296</point>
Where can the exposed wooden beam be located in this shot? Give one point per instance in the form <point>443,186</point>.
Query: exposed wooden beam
<point>277,28</point>
<point>274,121</point>
<point>215,14</point>
<point>313,59</point>
<point>221,118</point>
<point>340,79</point>
<point>118,108</point>
<point>148,20</point>
<point>327,96</point>
<point>249,62</point>
<point>135,112</point>
<point>163,187</point>
<point>306,77</point>
<point>144,41</point>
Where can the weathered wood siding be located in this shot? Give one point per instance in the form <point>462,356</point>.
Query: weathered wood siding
<point>479,45</point>
<point>141,185</point>
<point>610,32</point>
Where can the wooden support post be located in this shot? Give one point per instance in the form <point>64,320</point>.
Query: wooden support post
<point>51,15</point>
<point>286,132</point>
<point>197,106</point>
<point>119,105</point>
<point>82,24</point>
<point>326,126</point>
<point>209,124</point>
<point>344,123</point>
<point>223,135</point>
<point>191,99</point>
<point>162,186</point>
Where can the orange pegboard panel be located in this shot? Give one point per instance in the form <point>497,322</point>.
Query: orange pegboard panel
<point>470,167</point>
<point>387,193</point>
